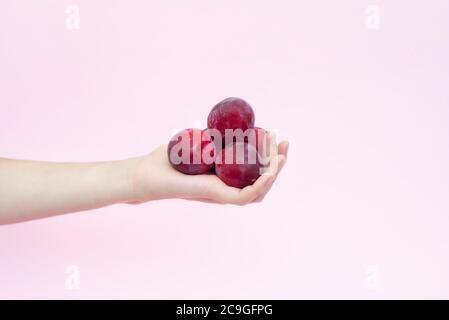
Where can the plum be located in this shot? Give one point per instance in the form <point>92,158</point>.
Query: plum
<point>231,113</point>
<point>191,151</point>
<point>260,139</point>
<point>255,136</point>
<point>263,145</point>
<point>238,164</point>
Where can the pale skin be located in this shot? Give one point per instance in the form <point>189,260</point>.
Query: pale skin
<point>33,190</point>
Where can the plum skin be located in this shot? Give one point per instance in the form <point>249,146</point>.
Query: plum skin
<point>240,173</point>
<point>259,138</point>
<point>195,147</point>
<point>231,113</point>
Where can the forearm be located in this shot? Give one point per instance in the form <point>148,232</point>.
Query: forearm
<point>32,190</point>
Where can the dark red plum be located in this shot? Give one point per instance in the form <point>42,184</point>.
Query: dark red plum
<point>231,113</point>
<point>255,136</point>
<point>191,151</point>
<point>260,138</point>
<point>238,164</point>
<point>262,143</point>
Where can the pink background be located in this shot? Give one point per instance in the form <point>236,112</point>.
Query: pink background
<point>366,112</point>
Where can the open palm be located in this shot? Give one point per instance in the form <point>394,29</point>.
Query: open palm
<point>205,187</point>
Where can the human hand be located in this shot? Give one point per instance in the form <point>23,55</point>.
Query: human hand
<point>34,189</point>
<point>154,178</point>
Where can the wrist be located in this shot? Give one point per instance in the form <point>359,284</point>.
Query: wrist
<point>133,180</point>
<point>117,180</point>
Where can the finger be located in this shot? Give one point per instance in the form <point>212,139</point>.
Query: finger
<point>270,185</point>
<point>281,164</point>
<point>230,195</point>
<point>268,149</point>
<point>282,161</point>
<point>269,175</point>
<point>251,193</point>
<point>265,190</point>
<point>269,161</point>
<point>271,178</point>
<point>283,148</point>
<point>222,193</point>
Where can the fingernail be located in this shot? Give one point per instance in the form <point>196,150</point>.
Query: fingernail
<point>286,148</point>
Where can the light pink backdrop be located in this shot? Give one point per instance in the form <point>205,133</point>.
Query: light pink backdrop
<point>366,112</point>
